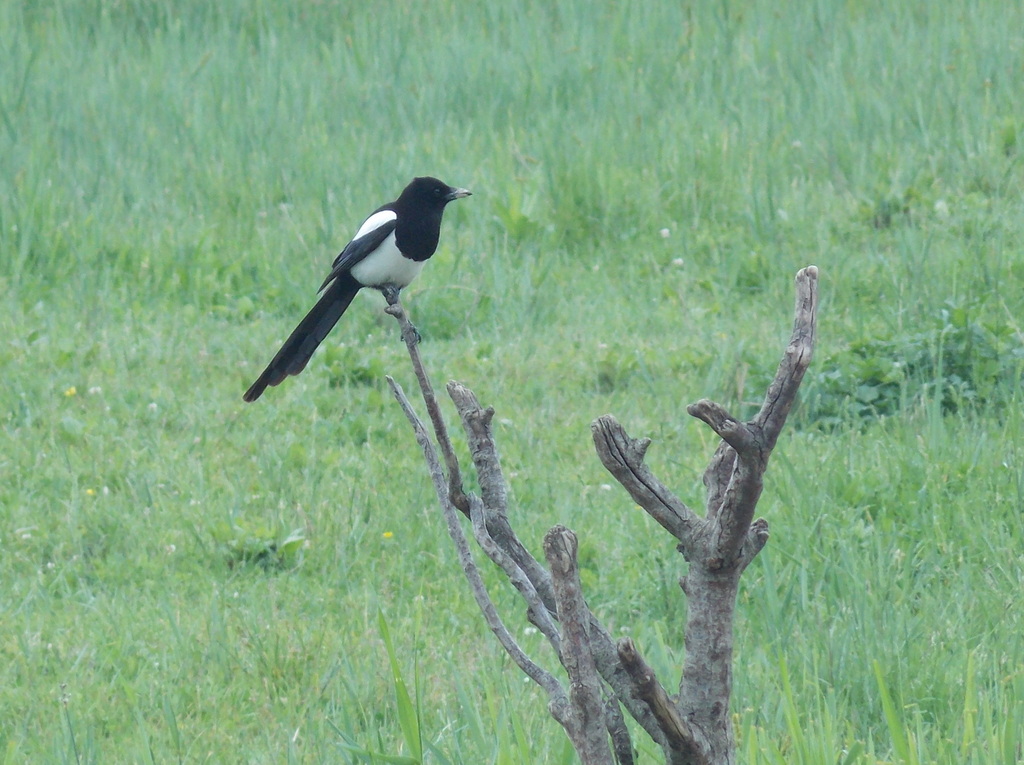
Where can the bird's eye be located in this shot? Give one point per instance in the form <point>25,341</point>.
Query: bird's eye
<point>437,191</point>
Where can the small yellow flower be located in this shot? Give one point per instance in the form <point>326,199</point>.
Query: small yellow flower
<point>388,534</point>
<point>90,492</point>
<point>71,391</point>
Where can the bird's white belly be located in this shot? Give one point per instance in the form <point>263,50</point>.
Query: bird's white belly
<point>386,265</point>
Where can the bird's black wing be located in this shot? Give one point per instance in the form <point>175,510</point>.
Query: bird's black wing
<point>359,248</point>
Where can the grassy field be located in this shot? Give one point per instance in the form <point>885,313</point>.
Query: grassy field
<point>184,577</point>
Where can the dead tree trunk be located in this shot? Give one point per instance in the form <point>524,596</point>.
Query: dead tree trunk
<point>694,727</point>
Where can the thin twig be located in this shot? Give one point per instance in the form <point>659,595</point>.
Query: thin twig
<point>477,423</point>
<point>412,338</point>
<point>542,677</point>
<point>538,613</point>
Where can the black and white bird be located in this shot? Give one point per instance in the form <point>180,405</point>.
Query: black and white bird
<point>387,252</point>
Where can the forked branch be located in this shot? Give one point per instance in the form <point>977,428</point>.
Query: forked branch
<point>719,545</point>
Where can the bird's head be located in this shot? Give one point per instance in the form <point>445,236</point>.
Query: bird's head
<point>433,191</point>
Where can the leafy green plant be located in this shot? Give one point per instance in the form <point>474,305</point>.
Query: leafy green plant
<point>959,362</point>
<point>244,542</point>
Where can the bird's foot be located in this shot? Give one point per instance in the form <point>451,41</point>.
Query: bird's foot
<point>411,335</point>
<point>390,292</point>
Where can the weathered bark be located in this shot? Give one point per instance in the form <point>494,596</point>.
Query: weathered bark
<point>586,723</point>
<point>483,451</point>
<point>683,739</point>
<point>719,546</point>
<point>695,727</point>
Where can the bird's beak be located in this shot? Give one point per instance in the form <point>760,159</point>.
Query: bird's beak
<point>458,194</point>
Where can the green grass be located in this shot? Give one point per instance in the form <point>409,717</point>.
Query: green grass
<point>188,578</point>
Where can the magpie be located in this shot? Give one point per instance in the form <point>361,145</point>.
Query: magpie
<point>387,253</point>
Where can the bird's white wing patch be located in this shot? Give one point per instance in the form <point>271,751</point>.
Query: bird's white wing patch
<point>375,221</point>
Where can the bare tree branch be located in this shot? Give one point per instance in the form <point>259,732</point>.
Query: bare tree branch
<point>476,421</point>
<point>754,441</point>
<point>591,736</point>
<point>681,736</point>
<point>498,527</point>
<point>622,744</point>
<point>537,612</point>
<point>412,338</point>
<point>728,428</point>
<point>560,704</point>
<point>624,458</point>
<point>477,424</point>
<point>783,389</point>
<point>542,677</point>
<point>735,480</point>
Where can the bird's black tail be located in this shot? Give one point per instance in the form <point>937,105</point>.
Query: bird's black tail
<point>297,349</point>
